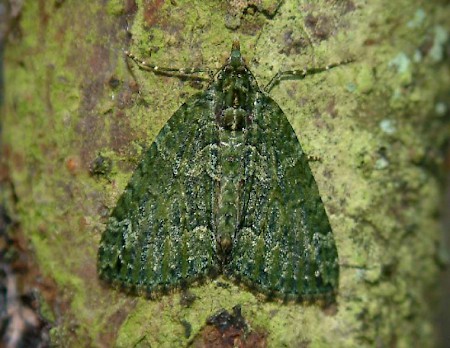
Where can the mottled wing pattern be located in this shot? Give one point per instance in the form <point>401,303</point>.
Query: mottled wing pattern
<point>159,234</point>
<point>284,245</point>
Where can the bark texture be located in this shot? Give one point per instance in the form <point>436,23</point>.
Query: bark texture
<point>72,104</point>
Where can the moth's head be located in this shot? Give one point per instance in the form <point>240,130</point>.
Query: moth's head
<point>236,61</point>
<point>235,90</point>
<point>235,73</point>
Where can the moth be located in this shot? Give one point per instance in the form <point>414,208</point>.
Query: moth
<point>225,188</point>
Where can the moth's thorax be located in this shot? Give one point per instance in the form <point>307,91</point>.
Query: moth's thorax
<point>235,88</point>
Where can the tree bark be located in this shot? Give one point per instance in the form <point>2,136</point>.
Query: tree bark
<point>379,124</point>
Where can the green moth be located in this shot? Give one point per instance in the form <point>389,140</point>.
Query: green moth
<point>225,188</point>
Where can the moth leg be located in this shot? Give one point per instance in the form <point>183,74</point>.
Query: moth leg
<point>314,158</point>
<point>300,74</point>
<point>177,72</point>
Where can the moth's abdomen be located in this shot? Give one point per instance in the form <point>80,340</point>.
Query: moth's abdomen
<point>229,196</point>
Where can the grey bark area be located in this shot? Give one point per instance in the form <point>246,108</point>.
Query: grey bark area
<point>77,116</point>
